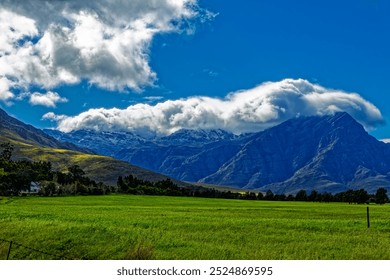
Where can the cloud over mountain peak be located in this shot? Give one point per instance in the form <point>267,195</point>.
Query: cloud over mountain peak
<point>249,110</point>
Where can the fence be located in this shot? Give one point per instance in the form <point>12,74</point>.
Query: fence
<point>10,245</point>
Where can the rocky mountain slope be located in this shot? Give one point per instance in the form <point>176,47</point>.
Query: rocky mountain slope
<point>16,130</point>
<point>33,144</point>
<point>331,153</point>
<point>181,154</point>
<point>328,154</point>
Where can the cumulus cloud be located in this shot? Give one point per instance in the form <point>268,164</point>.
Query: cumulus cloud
<point>5,93</point>
<point>47,43</point>
<point>53,117</point>
<point>244,111</point>
<point>49,99</point>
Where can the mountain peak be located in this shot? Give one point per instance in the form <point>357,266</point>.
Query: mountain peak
<point>341,118</point>
<point>325,153</point>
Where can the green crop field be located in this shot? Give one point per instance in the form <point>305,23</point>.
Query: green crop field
<point>151,227</point>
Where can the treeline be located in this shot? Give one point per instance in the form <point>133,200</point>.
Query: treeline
<point>18,177</point>
<point>359,196</point>
<point>133,185</point>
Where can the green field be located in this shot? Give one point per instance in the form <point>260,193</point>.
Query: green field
<point>151,227</point>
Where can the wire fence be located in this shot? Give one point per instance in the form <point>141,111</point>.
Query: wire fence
<point>9,245</point>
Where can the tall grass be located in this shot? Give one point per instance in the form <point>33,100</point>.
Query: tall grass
<point>151,227</point>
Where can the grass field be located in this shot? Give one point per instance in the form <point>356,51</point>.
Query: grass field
<point>151,227</point>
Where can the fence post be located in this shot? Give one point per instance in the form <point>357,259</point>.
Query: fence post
<point>9,249</point>
<point>368,217</point>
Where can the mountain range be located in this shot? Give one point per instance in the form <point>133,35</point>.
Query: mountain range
<point>330,153</point>
<point>31,143</point>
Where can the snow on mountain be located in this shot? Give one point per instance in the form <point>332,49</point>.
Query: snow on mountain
<point>195,137</point>
<point>105,143</point>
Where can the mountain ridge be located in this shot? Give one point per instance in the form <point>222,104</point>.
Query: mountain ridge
<point>307,164</point>
<point>17,130</point>
<point>328,153</point>
<point>31,143</point>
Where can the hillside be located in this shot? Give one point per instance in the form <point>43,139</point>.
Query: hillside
<point>327,154</point>
<point>33,144</point>
<point>17,131</point>
<point>186,155</point>
<point>324,153</point>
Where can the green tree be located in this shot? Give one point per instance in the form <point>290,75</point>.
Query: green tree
<point>7,149</point>
<point>280,197</point>
<point>381,196</point>
<point>269,195</point>
<point>349,196</point>
<point>48,189</point>
<point>76,172</point>
<point>361,196</point>
<point>121,184</point>
<point>301,196</point>
<point>313,196</point>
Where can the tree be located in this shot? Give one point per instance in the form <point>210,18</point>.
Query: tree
<point>121,184</point>
<point>325,197</point>
<point>280,197</point>
<point>7,149</point>
<point>48,189</point>
<point>250,196</point>
<point>269,195</point>
<point>301,196</point>
<point>76,172</point>
<point>361,196</point>
<point>381,196</point>
<point>349,196</point>
<point>42,171</point>
<point>313,196</point>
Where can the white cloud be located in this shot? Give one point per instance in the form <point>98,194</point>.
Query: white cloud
<point>49,43</point>
<point>5,93</point>
<point>48,99</point>
<point>53,117</point>
<point>244,111</point>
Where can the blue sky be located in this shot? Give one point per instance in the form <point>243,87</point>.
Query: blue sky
<point>204,49</point>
